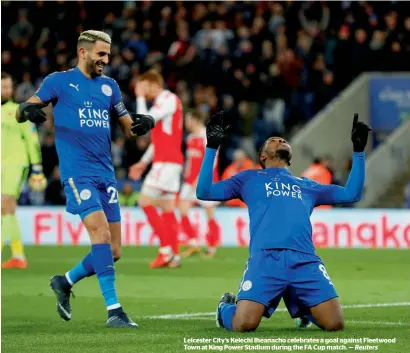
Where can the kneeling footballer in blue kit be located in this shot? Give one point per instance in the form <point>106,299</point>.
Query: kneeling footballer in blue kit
<point>282,262</point>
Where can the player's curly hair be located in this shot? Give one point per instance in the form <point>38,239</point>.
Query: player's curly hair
<point>91,36</point>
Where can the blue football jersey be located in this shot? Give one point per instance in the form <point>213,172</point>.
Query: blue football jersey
<point>279,203</point>
<point>82,119</point>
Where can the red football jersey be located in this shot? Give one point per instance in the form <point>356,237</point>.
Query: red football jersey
<point>195,151</point>
<point>166,136</point>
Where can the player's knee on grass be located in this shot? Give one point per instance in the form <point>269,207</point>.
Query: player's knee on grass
<point>334,324</point>
<point>329,315</point>
<point>248,316</point>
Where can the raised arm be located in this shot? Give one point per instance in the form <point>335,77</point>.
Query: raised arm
<point>224,190</point>
<point>351,192</point>
<point>221,191</point>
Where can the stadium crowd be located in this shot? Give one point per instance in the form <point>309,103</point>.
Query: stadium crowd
<point>269,65</point>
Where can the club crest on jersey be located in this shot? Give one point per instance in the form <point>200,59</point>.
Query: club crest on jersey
<point>247,285</point>
<point>85,194</point>
<point>276,188</point>
<point>106,90</point>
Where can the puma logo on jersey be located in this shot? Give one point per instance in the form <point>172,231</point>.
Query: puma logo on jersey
<point>76,87</point>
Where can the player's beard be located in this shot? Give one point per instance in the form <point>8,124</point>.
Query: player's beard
<point>281,154</point>
<point>93,69</point>
<point>284,155</point>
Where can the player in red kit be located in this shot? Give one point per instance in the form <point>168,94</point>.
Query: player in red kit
<point>162,183</point>
<point>195,151</point>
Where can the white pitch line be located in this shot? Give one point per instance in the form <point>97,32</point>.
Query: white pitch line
<point>357,306</point>
<point>192,315</point>
<point>354,322</point>
<point>378,323</point>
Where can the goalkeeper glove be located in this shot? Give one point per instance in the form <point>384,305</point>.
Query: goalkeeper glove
<point>360,133</point>
<point>216,130</point>
<point>33,112</point>
<point>141,123</point>
<point>37,180</point>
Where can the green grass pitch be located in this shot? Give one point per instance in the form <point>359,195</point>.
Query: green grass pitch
<point>30,322</point>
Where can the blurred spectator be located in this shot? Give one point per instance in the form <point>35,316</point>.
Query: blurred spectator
<point>319,172</point>
<point>21,31</point>
<point>239,164</point>
<point>25,89</point>
<point>128,196</point>
<point>314,17</point>
<point>54,194</point>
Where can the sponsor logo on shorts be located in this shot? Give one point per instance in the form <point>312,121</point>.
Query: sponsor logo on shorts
<point>246,285</point>
<point>106,90</point>
<point>85,194</point>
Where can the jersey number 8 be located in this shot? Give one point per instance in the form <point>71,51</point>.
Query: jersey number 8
<point>323,270</point>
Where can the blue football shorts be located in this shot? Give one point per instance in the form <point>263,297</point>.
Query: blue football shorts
<point>86,195</point>
<point>299,278</point>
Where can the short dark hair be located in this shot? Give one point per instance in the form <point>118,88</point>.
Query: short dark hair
<point>262,149</point>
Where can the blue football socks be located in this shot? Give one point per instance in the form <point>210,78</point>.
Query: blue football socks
<point>227,312</point>
<point>103,265</point>
<point>81,270</point>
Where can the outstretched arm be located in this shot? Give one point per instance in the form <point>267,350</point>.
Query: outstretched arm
<point>351,192</point>
<point>224,190</point>
<point>221,191</point>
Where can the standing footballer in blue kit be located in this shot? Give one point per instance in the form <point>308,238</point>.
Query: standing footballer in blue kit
<point>85,104</point>
<point>282,262</point>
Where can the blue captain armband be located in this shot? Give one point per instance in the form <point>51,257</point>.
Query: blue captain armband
<point>120,110</point>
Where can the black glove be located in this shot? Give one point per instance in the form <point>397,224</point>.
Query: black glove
<point>33,112</point>
<point>360,132</point>
<point>141,123</point>
<point>216,130</point>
